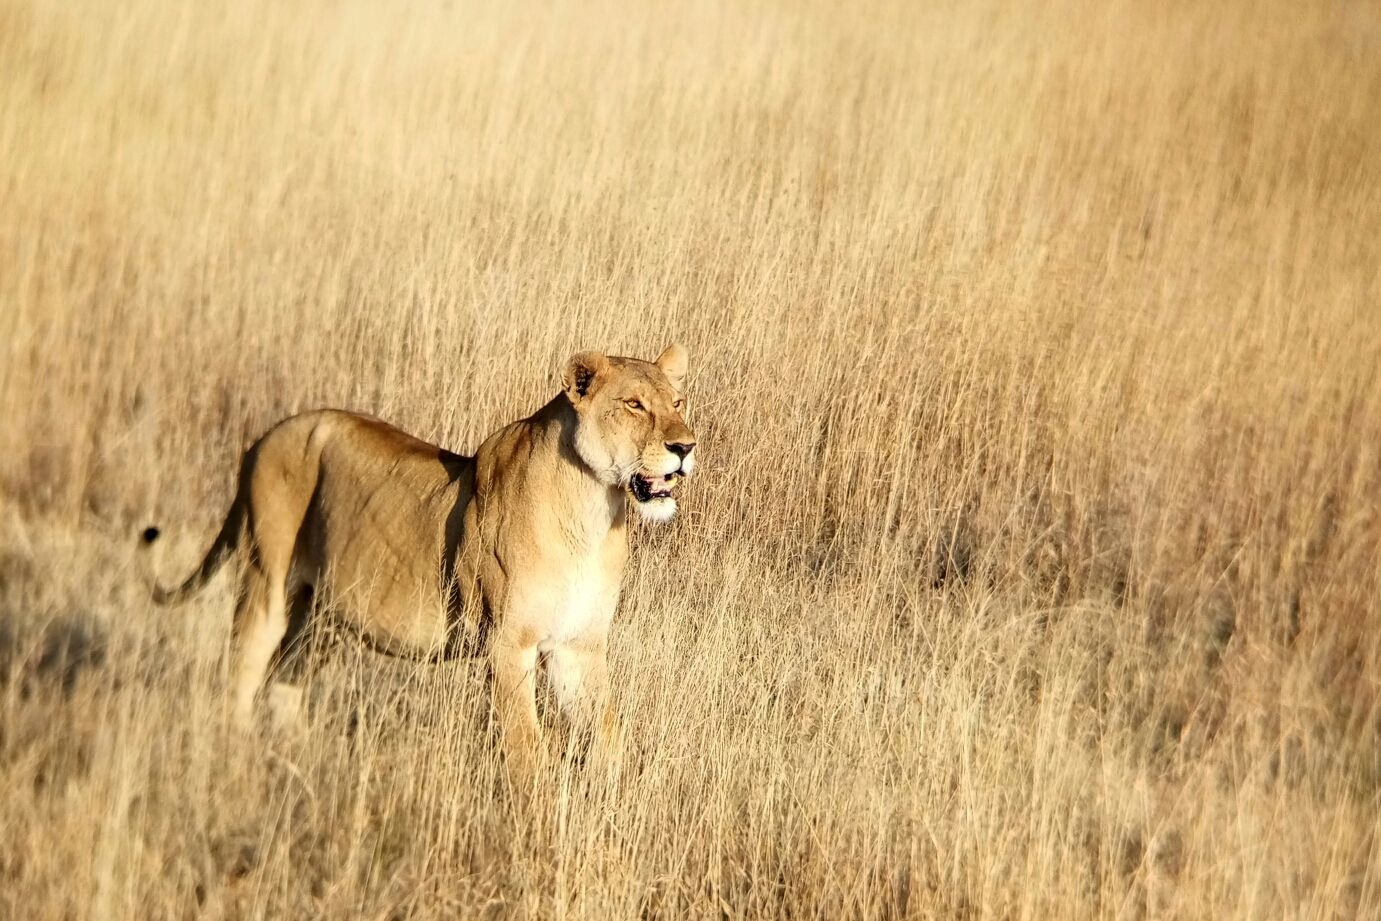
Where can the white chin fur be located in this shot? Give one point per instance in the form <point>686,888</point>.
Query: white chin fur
<point>659,509</point>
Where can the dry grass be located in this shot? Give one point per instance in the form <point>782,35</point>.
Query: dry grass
<point>1034,565</point>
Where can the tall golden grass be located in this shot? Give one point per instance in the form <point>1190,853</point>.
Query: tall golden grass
<point>1033,565</point>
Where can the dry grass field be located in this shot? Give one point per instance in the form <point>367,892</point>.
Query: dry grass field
<point>1033,565</point>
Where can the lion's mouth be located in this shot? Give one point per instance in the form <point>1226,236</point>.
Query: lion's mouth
<point>645,489</point>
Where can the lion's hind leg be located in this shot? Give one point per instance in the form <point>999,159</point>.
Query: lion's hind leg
<point>297,659</point>
<point>261,620</point>
<point>281,483</point>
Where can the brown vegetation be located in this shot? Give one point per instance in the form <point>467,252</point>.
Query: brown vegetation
<point>1032,567</point>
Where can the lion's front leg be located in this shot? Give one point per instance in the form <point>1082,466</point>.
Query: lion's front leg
<point>579,674</point>
<point>512,668</point>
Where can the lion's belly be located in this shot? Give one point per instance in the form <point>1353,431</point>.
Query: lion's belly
<point>406,617</point>
<point>388,587</point>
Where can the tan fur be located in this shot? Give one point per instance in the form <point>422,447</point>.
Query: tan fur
<point>518,550</point>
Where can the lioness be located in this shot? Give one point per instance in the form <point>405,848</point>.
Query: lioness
<point>423,552</point>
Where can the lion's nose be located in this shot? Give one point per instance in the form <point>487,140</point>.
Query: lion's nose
<point>680,448</point>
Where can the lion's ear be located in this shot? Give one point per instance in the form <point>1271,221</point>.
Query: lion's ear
<point>673,361</point>
<point>578,380</point>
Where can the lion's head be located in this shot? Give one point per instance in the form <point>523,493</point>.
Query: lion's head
<point>630,430</point>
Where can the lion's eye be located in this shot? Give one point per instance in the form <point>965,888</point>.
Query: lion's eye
<point>635,405</point>
<point>678,404</point>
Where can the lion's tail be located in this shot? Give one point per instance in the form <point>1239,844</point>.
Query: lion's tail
<point>225,544</point>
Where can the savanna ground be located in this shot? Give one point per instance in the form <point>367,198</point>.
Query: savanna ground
<point>1032,566</point>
